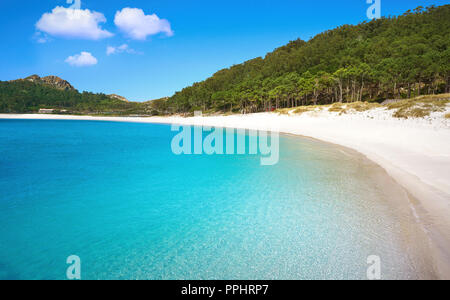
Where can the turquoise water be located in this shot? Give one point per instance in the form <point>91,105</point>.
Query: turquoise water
<point>116,196</point>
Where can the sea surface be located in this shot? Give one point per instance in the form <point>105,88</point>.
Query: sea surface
<point>115,195</point>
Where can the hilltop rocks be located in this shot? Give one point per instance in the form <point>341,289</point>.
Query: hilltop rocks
<point>53,81</point>
<point>57,83</point>
<point>60,84</point>
<point>114,96</point>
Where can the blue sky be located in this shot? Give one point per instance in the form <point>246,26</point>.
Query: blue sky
<point>188,41</point>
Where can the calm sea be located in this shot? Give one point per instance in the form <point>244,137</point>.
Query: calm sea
<point>115,195</point>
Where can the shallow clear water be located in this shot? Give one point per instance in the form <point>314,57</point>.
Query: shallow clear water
<point>116,196</point>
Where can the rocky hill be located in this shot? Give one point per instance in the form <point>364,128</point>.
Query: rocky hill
<point>53,81</point>
<point>114,96</point>
<point>31,94</point>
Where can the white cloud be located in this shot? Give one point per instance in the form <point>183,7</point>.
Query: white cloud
<point>111,50</point>
<point>120,49</point>
<point>73,23</point>
<point>82,60</point>
<point>135,24</point>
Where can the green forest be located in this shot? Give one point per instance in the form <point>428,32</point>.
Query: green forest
<point>388,58</point>
<point>393,57</point>
<point>22,96</point>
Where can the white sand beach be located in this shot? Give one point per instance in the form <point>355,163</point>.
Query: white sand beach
<point>415,152</point>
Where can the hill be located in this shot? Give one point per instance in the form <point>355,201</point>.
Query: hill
<point>33,93</point>
<point>52,81</point>
<point>394,57</point>
<point>61,84</point>
<point>121,98</point>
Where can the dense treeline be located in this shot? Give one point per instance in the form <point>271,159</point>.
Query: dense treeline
<point>23,96</point>
<point>395,57</point>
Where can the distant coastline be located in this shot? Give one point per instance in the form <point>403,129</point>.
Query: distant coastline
<point>413,151</point>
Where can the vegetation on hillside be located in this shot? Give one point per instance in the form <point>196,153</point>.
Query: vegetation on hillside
<point>395,57</point>
<point>24,96</point>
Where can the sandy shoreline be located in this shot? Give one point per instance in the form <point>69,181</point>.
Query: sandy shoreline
<point>415,153</point>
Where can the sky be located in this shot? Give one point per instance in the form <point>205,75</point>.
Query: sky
<point>149,49</point>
